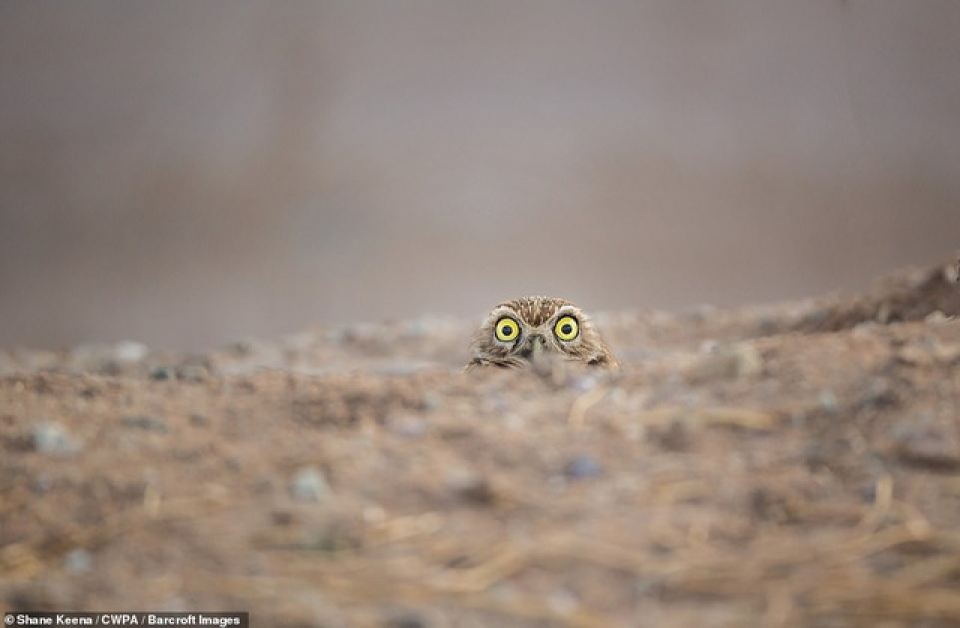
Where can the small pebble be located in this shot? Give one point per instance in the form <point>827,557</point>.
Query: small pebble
<point>699,313</point>
<point>174,604</point>
<point>584,383</point>
<point>310,485</point>
<point>401,367</point>
<point>749,360</point>
<point>927,444</point>
<point>644,587</point>
<point>129,352</point>
<point>556,484</point>
<point>241,348</point>
<point>431,401</point>
<point>581,467</point>
<point>42,483</point>
<point>562,602</point>
<point>78,561</point>
<point>677,435</point>
<point>868,493</point>
<point>469,485</point>
<point>828,401</point>
<point>736,362</point>
<point>881,394</point>
<point>416,329</point>
<point>192,373</point>
<point>145,422</point>
<point>263,485</point>
<point>336,336</point>
<point>798,420</point>
<point>814,455</point>
<point>505,593</point>
<point>363,333</point>
<point>884,313</point>
<point>51,438</point>
<point>408,426</point>
<point>281,517</point>
<point>162,373</point>
<point>495,403</point>
<point>767,325</point>
<point>817,317</point>
<point>406,619</point>
<point>514,422</point>
<point>374,515</point>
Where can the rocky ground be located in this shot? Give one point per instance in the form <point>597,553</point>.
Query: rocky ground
<point>791,465</point>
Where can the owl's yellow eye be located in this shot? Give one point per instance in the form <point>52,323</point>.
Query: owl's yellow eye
<point>507,329</point>
<point>566,328</point>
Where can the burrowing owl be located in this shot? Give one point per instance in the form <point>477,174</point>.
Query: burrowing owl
<point>532,330</point>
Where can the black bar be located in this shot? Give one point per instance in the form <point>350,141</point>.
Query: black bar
<point>126,619</point>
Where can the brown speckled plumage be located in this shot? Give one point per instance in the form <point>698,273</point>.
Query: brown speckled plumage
<point>537,317</point>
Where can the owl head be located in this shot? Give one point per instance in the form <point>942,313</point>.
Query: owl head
<point>526,331</point>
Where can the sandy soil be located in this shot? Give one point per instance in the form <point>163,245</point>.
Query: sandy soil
<point>790,465</point>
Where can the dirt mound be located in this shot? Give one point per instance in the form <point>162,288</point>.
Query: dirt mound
<point>733,472</point>
<point>911,295</point>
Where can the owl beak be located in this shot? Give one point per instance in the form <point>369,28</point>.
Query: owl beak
<point>538,354</point>
<point>537,349</point>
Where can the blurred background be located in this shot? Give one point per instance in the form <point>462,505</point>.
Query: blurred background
<point>186,174</point>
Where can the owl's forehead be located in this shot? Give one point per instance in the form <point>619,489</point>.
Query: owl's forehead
<point>536,311</point>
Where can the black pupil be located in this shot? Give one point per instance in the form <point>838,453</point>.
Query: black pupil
<point>508,330</point>
<point>566,328</point>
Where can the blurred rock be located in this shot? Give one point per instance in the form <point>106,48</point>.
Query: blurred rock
<point>407,426</point>
<point>405,619</point>
<point>431,400</point>
<point>42,483</point>
<point>828,401</point>
<point>881,394</point>
<point>109,359</point>
<point>77,561</point>
<point>676,435</point>
<point>129,352</point>
<point>739,361</point>
<point>192,372</point>
<point>162,373</point>
<point>563,603</point>
<point>145,422</point>
<point>53,439</point>
<point>468,485</point>
<point>927,444</point>
<point>7,364</point>
<point>310,485</point>
<point>582,467</point>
